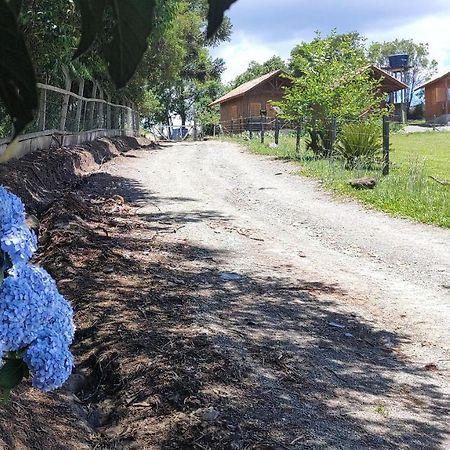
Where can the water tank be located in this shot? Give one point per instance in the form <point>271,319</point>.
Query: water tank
<point>398,61</point>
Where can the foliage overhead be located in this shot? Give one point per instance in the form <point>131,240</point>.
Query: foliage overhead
<point>121,29</point>
<point>216,14</point>
<point>17,79</point>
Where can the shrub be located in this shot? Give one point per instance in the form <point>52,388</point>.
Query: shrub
<point>359,143</point>
<point>36,322</point>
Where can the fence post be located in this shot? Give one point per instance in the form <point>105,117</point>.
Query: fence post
<point>42,110</point>
<point>101,109</point>
<point>92,111</point>
<point>65,105</point>
<point>262,129</point>
<point>250,128</point>
<point>80,104</point>
<point>108,112</point>
<point>386,145</point>
<point>333,135</point>
<point>277,130</point>
<point>231,127</point>
<point>298,137</point>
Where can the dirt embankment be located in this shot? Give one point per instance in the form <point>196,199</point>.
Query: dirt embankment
<point>49,183</point>
<point>41,177</point>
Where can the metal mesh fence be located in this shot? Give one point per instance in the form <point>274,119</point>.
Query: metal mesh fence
<point>66,112</point>
<point>351,140</point>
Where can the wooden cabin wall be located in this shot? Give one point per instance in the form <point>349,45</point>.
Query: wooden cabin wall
<point>250,104</point>
<point>436,99</point>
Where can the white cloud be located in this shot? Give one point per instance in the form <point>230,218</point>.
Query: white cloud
<point>270,31</point>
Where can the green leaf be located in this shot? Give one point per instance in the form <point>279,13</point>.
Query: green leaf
<point>17,80</point>
<point>134,20</point>
<point>91,23</point>
<point>16,6</point>
<point>216,14</point>
<point>12,373</point>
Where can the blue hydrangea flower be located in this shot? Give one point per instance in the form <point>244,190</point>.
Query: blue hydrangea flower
<point>19,242</point>
<point>50,362</point>
<point>30,305</point>
<point>12,211</point>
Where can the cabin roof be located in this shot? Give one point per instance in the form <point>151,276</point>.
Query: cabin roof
<point>390,84</point>
<point>433,80</point>
<point>246,87</point>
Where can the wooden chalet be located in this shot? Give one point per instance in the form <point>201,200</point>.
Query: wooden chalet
<point>249,99</point>
<point>240,105</point>
<point>437,99</point>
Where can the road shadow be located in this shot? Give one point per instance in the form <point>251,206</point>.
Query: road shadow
<point>177,354</point>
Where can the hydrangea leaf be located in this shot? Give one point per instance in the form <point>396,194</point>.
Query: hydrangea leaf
<point>216,14</point>
<point>91,23</point>
<point>12,373</point>
<point>133,24</point>
<point>17,80</point>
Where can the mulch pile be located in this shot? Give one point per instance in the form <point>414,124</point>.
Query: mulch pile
<point>144,373</point>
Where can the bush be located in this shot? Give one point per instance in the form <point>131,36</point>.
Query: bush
<point>359,143</point>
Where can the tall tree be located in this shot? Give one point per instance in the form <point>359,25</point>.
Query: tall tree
<point>256,70</point>
<point>422,66</point>
<point>331,80</point>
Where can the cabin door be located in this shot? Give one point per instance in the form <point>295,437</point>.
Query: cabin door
<point>234,112</point>
<point>255,109</point>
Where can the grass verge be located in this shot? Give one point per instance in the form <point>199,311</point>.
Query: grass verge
<point>409,191</point>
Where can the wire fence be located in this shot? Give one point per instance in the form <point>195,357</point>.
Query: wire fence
<point>72,117</point>
<point>326,138</point>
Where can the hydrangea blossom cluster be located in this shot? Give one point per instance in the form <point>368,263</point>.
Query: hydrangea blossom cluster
<point>35,319</point>
<point>16,239</point>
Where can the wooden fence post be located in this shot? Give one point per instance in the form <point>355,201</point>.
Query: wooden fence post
<point>262,129</point>
<point>65,104</point>
<point>298,137</point>
<point>101,109</point>
<point>231,126</point>
<point>333,135</point>
<point>277,130</point>
<point>80,105</point>
<point>386,146</point>
<point>92,111</point>
<point>108,112</point>
<point>42,110</point>
<point>250,127</point>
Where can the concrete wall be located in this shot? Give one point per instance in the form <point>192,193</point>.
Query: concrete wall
<point>28,143</point>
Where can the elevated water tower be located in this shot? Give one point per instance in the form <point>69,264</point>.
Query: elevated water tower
<point>399,67</point>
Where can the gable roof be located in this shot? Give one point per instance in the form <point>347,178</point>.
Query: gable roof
<point>246,87</point>
<point>433,80</point>
<point>390,83</point>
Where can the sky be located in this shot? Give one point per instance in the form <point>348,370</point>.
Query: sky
<point>263,28</point>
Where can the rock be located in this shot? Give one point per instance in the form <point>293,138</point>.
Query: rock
<point>363,183</point>
<point>75,383</point>
<point>230,276</point>
<point>210,415</point>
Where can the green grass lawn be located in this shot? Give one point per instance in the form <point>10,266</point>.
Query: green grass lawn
<point>407,192</point>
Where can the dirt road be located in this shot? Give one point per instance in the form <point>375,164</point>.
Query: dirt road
<point>338,316</point>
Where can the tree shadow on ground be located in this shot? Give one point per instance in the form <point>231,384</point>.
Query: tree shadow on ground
<point>177,355</point>
<point>275,357</point>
